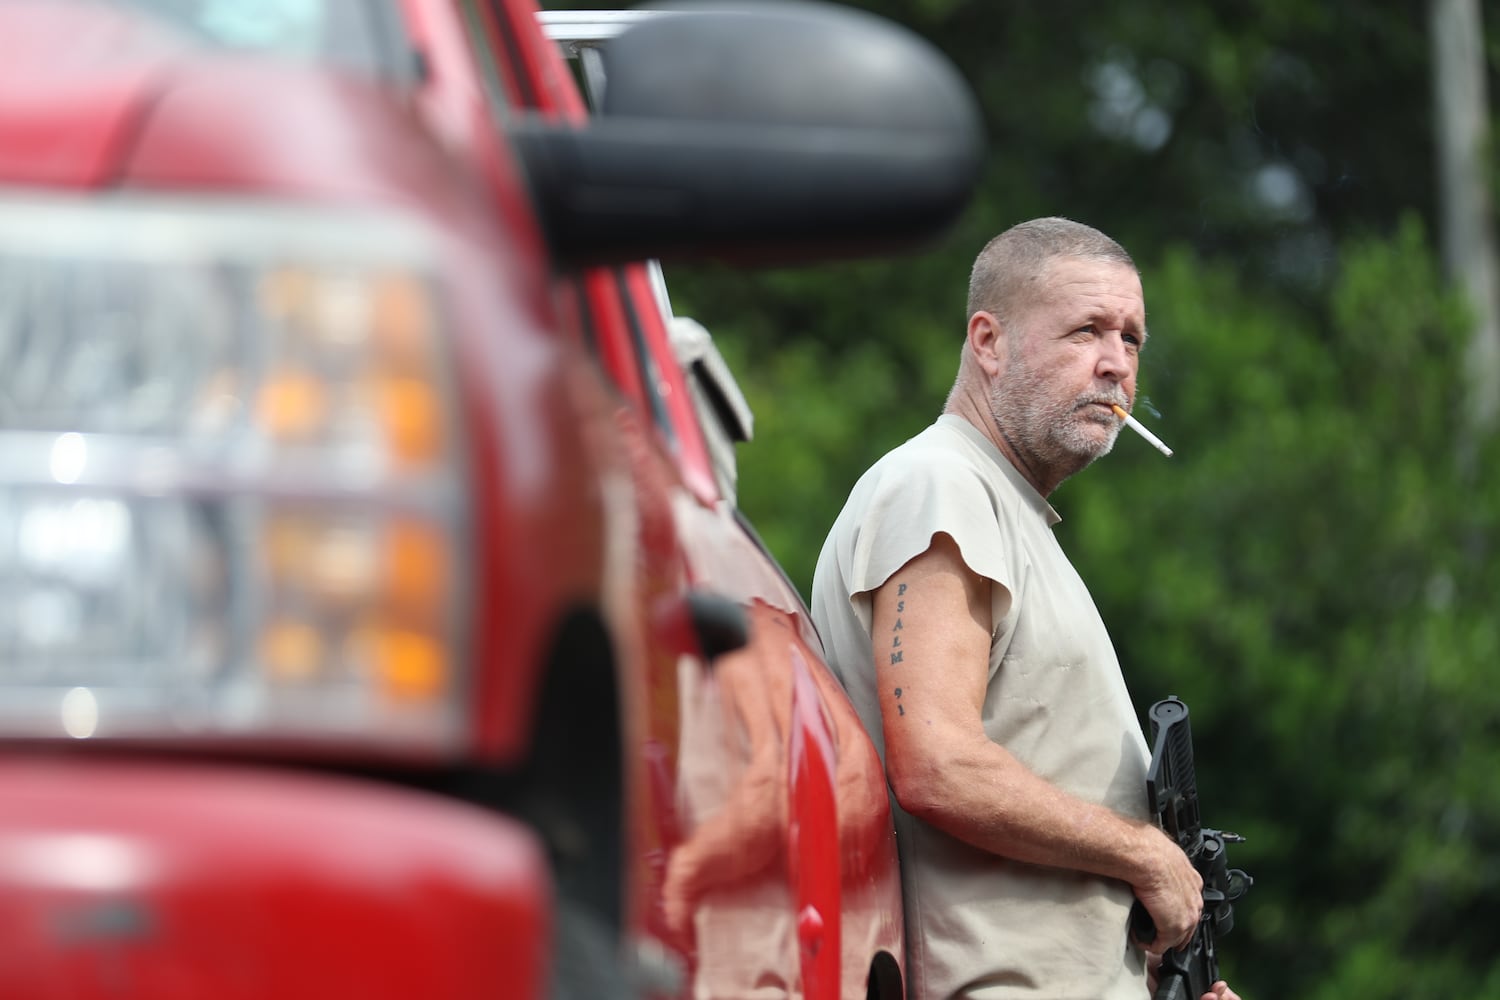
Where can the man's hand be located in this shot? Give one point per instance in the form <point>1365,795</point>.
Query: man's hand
<point>1172,893</point>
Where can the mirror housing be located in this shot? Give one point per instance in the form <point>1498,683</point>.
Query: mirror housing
<point>775,134</point>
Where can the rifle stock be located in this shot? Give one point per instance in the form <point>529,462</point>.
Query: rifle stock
<point>1172,798</point>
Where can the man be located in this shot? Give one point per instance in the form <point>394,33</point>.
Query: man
<point>979,664</point>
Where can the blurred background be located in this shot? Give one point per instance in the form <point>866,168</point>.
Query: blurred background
<point>1309,191</point>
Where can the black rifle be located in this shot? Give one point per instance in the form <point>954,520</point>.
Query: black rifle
<point>1172,798</point>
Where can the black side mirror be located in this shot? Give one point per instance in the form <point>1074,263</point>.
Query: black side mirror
<point>769,134</point>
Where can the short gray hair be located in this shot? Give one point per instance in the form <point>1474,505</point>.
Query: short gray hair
<point>1010,265</point>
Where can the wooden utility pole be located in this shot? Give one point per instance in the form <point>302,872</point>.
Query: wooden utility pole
<point>1466,209</point>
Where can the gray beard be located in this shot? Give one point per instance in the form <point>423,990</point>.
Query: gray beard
<point>1050,436</point>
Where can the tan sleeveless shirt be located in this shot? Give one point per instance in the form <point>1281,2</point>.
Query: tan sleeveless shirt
<point>978,925</point>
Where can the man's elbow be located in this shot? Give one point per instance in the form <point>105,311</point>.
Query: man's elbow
<point>917,785</point>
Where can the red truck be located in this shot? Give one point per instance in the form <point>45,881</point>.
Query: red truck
<point>375,615</point>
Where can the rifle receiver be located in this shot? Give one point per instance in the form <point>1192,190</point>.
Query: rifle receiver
<point>1172,782</point>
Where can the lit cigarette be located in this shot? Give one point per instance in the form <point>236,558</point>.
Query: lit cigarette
<point>1140,429</point>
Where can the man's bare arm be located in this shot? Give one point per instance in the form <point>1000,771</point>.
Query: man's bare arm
<point>931,641</point>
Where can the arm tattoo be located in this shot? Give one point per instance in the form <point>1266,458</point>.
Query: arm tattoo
<point>896,650</point>
<point>896,641</point>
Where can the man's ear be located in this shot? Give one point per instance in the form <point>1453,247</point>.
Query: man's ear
<point>986,342</point>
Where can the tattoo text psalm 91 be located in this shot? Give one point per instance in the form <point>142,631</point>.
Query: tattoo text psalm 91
<point>896,650</point>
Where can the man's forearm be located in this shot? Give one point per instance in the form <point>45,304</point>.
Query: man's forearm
<point>984,796</point>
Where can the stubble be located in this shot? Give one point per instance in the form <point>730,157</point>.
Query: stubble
<point>1052,434</point>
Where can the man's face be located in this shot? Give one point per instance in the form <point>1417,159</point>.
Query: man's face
<point>1073,350</point>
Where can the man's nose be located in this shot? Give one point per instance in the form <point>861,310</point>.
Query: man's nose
<point>1114,362</point>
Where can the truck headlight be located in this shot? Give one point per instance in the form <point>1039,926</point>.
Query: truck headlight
<point>231,487</point>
